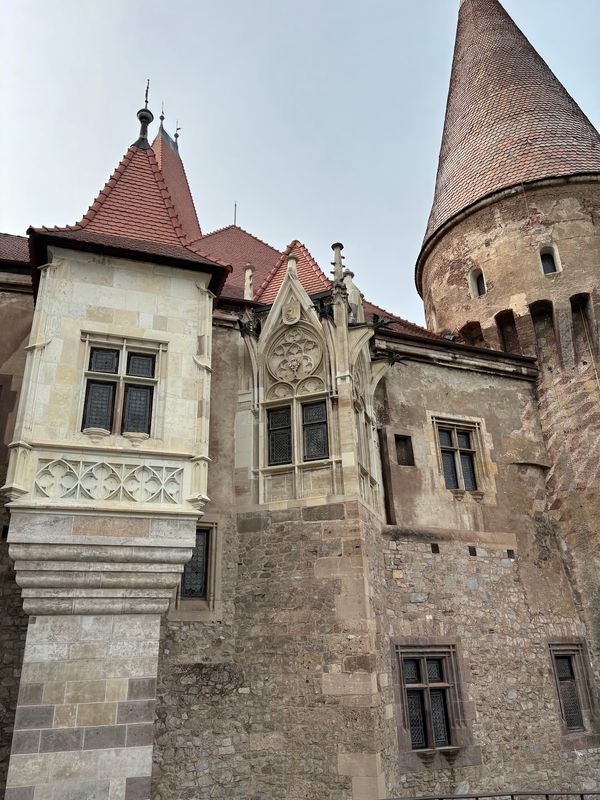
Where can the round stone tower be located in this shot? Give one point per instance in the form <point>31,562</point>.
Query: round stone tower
<point>514,231</point>
<point>511,258</point>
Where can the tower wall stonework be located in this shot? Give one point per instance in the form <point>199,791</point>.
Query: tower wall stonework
<point>556,319</point>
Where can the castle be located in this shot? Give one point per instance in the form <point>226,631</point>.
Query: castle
<point>266,540</point>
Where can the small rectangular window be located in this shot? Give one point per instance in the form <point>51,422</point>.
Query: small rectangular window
<point>99,405</point>
<point>458,456</point>
<point>404,451</point>
<point>314,430</point>
<point>279,423</point>
<point>194,583</point>
<point>140,365</point>
<point>102,360</point>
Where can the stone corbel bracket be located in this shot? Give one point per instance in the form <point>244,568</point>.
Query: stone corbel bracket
<point>72,564</point>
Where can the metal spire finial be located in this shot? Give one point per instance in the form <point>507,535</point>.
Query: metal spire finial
<point>162,113</point>
<point>145,117</point>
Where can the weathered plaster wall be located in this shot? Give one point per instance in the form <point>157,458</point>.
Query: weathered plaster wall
<point>501,612</point>
<point>504,239</point>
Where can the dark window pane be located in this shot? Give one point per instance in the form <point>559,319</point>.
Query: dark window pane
<point>548,263</point>
<point>280,418</point>
<point>195,573</point>
<point>435,673</point>
<point>449,464</point>
<point>412,673</point>
<point>137,411</point>
<point>140,365</point>
<point>564,667</point>
<point>404,451</point>
<point>467,463</point>
<point>439,717</point>
<point>480,284</point>
<point>104,360</point>
<point>314,412</point>
<point>464,439</point>
<point>445,437</point>
<point>570,703</point>
<point>416,719</point>
<point>315,442</point>
<point>280,447</point>
<point>99,403</point>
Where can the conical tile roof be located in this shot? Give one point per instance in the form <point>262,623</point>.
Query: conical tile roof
<point>509,120</point>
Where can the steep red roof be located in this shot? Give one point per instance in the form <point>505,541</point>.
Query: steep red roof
<point>309,273</point>
<point>170,164</point>
<point>14,249</point>
<point>508,121</point>
<point>238,248</point>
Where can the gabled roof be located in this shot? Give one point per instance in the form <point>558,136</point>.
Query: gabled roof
<point>509,121</point>
<point>135,214</point>
<point>395,323</point>
<point>170,164</point>
<point>309,273</point>
<point>238,248</point>
<point>14,249</point>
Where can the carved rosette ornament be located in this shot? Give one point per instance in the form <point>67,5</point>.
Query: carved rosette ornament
<point>294,355</point>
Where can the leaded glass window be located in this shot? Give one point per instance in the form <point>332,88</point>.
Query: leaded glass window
<point>280,435</point>
<point>119,390</point>
<point>567,689</point>
<point>425,681</point>
<point>194,583</point>
<point>458,457</point>
<point>137,409</point>
<point>99,405</point>
<point>314,427</point>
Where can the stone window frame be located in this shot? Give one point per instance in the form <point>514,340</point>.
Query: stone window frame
<point>576,648</point>
<point>552,250</point>
<point>186,609</point>
<point>298,463</point>
<point>126,345</point>
<point>462,751</point>
<point>484,470</point>
<point>473,279</point>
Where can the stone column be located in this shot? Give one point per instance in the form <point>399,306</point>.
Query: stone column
<point>95,588</point>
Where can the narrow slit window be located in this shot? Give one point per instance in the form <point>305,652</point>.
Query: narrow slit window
<point>480,284</point>
<point>194,582</point>
<point>567,689</point>
<point>548,262</point>
<point>404,451</point>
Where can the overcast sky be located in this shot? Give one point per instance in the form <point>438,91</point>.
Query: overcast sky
<point>322,118</point>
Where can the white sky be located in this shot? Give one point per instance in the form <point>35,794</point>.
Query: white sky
<point>322,118</point>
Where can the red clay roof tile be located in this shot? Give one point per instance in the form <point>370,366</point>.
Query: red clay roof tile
<point>170,164</point>
<point>14,248</point>
<point>309,273</point>
<point>509,121</point>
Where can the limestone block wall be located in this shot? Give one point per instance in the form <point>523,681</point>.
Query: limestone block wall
<point>85,299</point>
<point>83,724</point>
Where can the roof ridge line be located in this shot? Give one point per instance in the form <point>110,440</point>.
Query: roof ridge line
<point>239,227</point>
<point>166,196</point>
<point>275,269</point>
